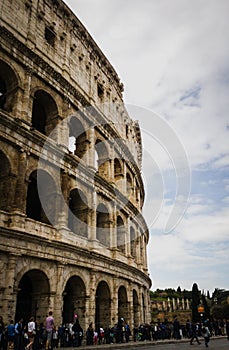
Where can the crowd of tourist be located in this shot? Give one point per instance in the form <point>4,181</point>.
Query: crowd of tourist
<point>34,336</point>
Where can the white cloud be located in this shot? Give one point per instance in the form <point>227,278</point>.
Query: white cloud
<point>173,58</point>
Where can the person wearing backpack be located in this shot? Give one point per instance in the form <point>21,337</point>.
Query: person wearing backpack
<point>206,335</point>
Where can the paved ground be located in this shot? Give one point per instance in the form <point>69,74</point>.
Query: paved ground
<point>220,343</point>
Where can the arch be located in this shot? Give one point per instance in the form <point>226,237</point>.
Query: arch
<point>118,169</point>
<point>41,197</point>
<point>101,154</point>
<point>118,173</point>
<point>133,242</point>
<point>128,185</point>
<point>74,300</point>
<point>123,310</point>
<point>102,306</point>
<point>121,234</point>
<point>136,308</point>
<point>4,181</point>
<point>143,308</point>
<point>103,225</point>
<point>77,137</point>
<point>8,87</point>
<point>33,296</point>
<point>44,113</point>
<point>78,213</point>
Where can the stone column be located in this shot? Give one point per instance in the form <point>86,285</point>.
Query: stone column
<point>26,100</point>
<point>128,243</point>
<point>58,298</point>
<point>63,201</point>
<point>113,228</point>
<point>147,307</point>
<point>174,305</point>
<point>138,248</point>
<point>90,299</point>
<point>9,295</point>
<point>111,161</point>
<point>21,190</point>
<point>141,304</point>
<point>91,149</point>
<point>92,217</point>
<point>114,304</point>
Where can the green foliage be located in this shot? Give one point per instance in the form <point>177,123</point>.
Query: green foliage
<point>195,303</point>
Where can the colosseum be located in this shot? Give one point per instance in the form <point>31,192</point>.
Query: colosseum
<point>73,238</point>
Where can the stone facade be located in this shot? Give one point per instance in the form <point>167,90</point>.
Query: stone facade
<point>171,308</point>
<point>72,236</point>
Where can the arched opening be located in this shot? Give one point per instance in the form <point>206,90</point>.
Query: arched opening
<point>132,242</point>
<point>117,168</point>
<point>143,309</point>
<point>3,91</point>
<point>41,197</point>
<point>103,159</point>
<point>137,192</point>
<point>136,308</point>
<point>74,301</point>
<point>33,296</point>
<point>118,173</point>
<point>44,113</point>
<point>8,87</point>
<point>103,225</point>
<point>103,306</point>
<point>4,181</point>
<point>123,310</point>
<point>77,138</point>
<point>78,213</point>
<point>121,235</point>
<point>128,185</point>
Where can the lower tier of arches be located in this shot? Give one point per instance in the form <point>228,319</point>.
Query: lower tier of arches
<point>33,283</point>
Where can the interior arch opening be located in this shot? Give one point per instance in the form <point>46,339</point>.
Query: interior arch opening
<point>103,306</point>
<point>74,301</point>
<point>123,311</point>
<point>77,138</point>
<point>4,181</point>
<point>78,213</point>
<point>136,308</point>
<point>121,235</point>
<point>103,225</point>
<point>33,296</point>
<point>8,87</point>
<point>41,197</point>
<point>102,159</point>
<point>133,242</point>
<point>44,113</point>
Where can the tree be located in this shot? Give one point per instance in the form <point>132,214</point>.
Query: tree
<point>206,307</point>
<point>226,311</point>
<point>195,303</point>
<point>179,290</point>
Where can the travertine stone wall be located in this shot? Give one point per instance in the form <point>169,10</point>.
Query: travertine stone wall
<point>72,236</point>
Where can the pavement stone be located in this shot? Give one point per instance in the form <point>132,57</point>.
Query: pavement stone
<point>134,345</point>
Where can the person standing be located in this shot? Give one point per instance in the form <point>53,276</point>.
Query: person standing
<point>49,326</point>
<point>2,332</point>
<point>31,333</point>
<point>194,333</point>
<point>90,334</point>
<point>206,335</point>
<point>227,329</point>
<point>19,335</point>
<point>10,335</point>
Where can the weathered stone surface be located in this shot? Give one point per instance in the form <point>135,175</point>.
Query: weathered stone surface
<point>72,237</point>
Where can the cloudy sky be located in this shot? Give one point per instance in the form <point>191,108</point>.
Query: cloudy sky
<point>173,58</point>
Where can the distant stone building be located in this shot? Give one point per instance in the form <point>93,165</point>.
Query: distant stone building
<point>72,236</point>
<point>170,308</point>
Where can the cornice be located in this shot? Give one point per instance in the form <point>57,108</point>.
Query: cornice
<point>64,247</point>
